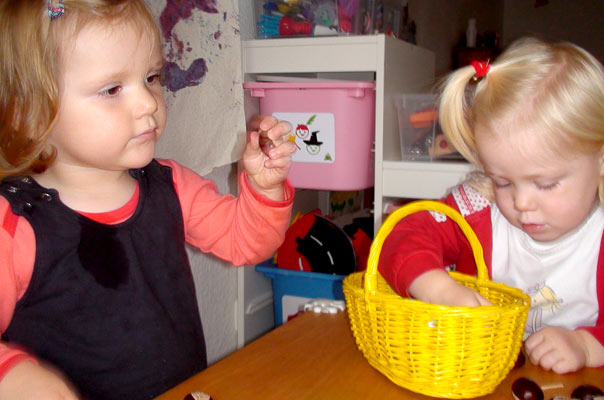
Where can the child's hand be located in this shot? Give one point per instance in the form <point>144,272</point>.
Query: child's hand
<point>438,287</point>
<point>28,380</point>
<point>267,166</point>
<point>562,350</point>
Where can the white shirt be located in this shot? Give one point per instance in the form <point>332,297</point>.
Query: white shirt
<point>559,276</point>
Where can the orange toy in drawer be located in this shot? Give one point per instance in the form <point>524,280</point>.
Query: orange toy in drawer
<point>424,118</point>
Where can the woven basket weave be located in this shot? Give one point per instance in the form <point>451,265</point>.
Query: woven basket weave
<point>441,351</point>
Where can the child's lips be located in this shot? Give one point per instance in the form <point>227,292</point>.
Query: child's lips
<point>147,134</point>
<point>533,228</point>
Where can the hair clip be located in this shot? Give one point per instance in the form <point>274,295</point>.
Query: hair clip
<point>482,69</point>
<point>55,12</point>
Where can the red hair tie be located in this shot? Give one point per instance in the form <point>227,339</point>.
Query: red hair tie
<point>481,68</point>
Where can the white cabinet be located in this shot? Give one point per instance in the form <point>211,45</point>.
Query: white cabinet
<point>397,67</point>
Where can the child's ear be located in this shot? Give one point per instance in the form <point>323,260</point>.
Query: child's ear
<point>602,161</point>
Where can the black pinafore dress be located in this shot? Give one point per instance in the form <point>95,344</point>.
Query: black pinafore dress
<point>112,306</point>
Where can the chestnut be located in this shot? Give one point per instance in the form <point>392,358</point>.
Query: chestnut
<point>526,389</point>
<point>586,392</point>
<point>520,360</point>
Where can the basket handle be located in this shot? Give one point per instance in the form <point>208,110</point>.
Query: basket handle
<point>410,208</point>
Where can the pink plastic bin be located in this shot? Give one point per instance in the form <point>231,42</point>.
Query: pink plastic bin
<point>332,124</point>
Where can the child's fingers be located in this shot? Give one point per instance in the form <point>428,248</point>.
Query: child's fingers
<point>273,143</point>
<point>539,350</point>
<point>253,140</point>
<point>265,142</point>
<point>548,360</point>
<point>253,124</point>
<point>284,128</point>
<point>533,341</point>
<point>267,123</point>
<point>459,295</point>
<point>284,149</point>
<point>279,131</point>
<point>281,162</point>
<point>482,301</point>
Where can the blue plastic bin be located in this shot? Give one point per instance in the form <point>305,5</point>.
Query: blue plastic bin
<point>298,287</point>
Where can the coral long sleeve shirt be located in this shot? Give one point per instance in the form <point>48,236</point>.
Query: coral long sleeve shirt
<point>241,230</point>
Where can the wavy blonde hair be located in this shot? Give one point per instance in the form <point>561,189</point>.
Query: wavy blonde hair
<point>558,87</point>
<point>30,52</point>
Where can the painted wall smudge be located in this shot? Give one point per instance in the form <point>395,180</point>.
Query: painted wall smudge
<point>202,80</point>
<point>175,77</point>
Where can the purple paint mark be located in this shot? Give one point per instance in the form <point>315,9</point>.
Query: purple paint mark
<point>175,78</point>
<point>217,35</point>
<point>176,10</point>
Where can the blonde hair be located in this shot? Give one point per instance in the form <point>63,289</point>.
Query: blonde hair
<point>557,86</point>
<point>30,75</point>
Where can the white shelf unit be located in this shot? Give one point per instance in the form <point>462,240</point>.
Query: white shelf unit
<point>397,67</point>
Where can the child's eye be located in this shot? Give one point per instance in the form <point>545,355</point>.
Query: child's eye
<point>547,186</point>
<point>500,184</point>
<point>111,91</point>
<point>153,78</point>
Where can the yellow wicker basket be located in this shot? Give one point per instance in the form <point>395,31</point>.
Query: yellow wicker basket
<point>441,351</point>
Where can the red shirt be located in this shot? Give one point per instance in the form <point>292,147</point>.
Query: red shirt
<point>420,243</point>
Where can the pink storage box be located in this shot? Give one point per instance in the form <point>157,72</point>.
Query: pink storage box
<point>333,126</point>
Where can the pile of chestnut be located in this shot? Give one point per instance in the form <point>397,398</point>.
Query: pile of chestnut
<point>526,389</point>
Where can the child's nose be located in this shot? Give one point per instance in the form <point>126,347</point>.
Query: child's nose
<point>524,200</point>
<point>146,102</point>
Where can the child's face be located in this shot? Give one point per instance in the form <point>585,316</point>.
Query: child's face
<point>539,192</point>
<point>112,110</point>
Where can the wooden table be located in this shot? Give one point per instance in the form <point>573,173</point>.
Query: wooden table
<point>314,356</point>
